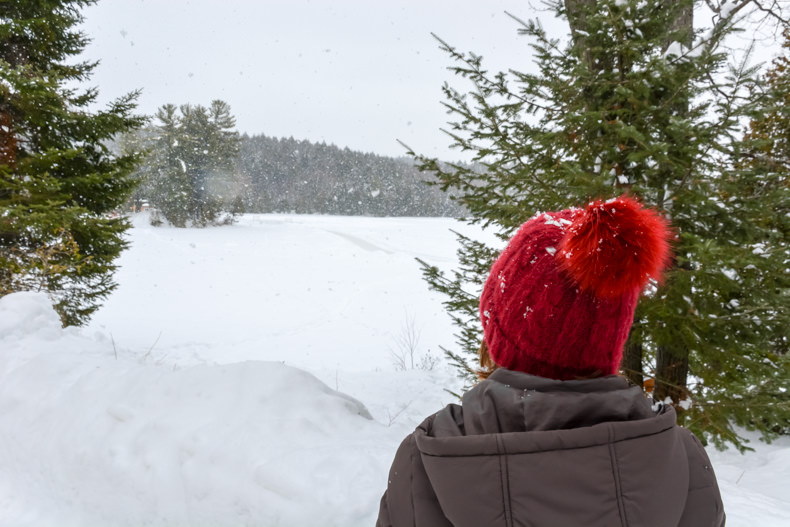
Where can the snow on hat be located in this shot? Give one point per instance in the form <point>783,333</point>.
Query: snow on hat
<point>560,299</point>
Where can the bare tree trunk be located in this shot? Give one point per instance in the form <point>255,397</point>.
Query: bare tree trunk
<point>672,367</point>
<point>631,365</point>
<point>8,144</point>
<point>672,364</point>
<point>578,22</point>
<point>684,22</point>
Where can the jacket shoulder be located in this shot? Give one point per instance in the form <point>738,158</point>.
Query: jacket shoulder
<point>704,506</point>
<point>410,499</point>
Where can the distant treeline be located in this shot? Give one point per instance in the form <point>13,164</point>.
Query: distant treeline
<point>195,169</point>
<point>288,175</point>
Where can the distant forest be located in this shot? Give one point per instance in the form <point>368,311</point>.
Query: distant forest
<point>288,175</point>
<point>195,167</point>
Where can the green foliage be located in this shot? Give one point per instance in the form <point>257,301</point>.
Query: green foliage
<point>763,176</point>
<point>189,170</point>
<point>624,107</point>
<point>59,183</point>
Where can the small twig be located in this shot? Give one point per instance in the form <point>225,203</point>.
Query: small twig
<point>393,417</point>
<point>776,14</point>
<point>152,346</point>
<point>161,361</point>
<point>113,346</point>
<point>739,477</point>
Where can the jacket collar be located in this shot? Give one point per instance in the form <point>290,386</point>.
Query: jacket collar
<point>525,381</point>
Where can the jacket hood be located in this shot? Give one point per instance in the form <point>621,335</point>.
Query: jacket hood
<point>529,451</point>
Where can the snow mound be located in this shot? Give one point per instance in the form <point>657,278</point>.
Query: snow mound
<point>27,313</point>
<point>91,436</point>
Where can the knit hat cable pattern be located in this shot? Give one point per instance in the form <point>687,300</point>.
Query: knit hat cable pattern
<point>560,299</point>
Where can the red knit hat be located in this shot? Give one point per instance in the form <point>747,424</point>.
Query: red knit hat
<point>560,299</point>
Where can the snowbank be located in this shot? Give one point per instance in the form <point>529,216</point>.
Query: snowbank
<point>91,439</point>
<point>754,485</point>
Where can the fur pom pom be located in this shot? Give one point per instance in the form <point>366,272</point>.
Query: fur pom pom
<point>614,247</point>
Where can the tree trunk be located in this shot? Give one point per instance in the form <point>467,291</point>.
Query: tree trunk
<point>8,145</point>
<point>631,365</point>
<point>685,22</point>
<point>578,24</point>
<point>672,367</point>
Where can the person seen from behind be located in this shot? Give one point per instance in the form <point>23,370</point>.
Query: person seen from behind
<point>554,437</point>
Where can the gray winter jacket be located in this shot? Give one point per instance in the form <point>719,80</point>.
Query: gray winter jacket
<point>529,451</point>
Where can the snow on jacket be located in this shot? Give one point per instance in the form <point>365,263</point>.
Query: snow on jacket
<point>529,451</point>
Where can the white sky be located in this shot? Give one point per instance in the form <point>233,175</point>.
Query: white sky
<point>356,73</point>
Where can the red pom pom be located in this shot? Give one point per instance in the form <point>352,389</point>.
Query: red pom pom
<point>615,247</point>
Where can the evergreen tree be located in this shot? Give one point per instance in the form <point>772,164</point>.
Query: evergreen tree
<point>762,169</point>
<point>59,182</point>
<point>768,137</point>
<point>628,105</point>
<point>190,167</point>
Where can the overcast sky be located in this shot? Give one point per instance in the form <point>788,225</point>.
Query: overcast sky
<point>356,73</point>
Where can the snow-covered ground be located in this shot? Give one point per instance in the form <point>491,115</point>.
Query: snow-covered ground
<point>244,376</point>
